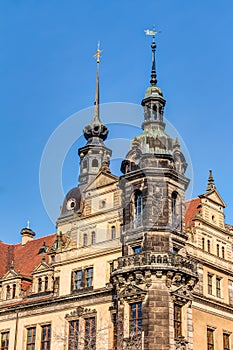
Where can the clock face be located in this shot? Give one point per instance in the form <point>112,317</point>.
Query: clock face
<point>71,204</point>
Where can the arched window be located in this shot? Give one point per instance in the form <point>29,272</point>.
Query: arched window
<point>138,209</point>
<point>176,209</point>
<point>95,163</point>
<point>217,249</point>
<point>39,285</point>
<point>223,252</point>
<point>208,246</point>
<point>113,232</point>
<point>46,283</point>
<point>85,239</point>
<point>93,238</point>
<point>8,292</point>
<point>203,243</point>
<point>14,291</point>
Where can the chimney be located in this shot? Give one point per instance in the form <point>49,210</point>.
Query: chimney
<point>27,235</point>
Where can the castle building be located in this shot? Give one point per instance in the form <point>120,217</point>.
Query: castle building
<point>132,264</point>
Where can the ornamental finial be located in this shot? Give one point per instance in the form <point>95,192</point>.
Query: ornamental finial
<point>211,184</point>
<point>153,33</point>
<point>97,55</point>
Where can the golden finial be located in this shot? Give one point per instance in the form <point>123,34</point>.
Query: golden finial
<point>98,52</point>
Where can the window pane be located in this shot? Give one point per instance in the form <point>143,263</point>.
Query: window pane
<point>135,318</point>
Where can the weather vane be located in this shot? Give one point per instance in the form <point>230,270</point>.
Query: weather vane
<point>152,32</point>
<point>98,52</point>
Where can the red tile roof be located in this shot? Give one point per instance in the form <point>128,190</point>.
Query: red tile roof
<point>24,257</point>
<point>192,208</point>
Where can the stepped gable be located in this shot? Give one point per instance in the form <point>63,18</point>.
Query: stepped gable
<point>25,257</point>
<point>192,207</point>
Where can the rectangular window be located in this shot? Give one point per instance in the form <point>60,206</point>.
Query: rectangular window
<point>210,288</point>
<point>210,339</point>
<point>135,318</point>
<point>73,335</point>
<point>90,333</point>
<point>177,321</point>
<point>46,337</point>
<point>218,287</point>
<point>31,338</point>
<point>78,279</point>
<point>83,278</point>
<point>226,341</point>
<point>5,340</point>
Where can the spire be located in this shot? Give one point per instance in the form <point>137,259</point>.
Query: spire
<point>97,55</point>
<point>96,129</point>
<point>153,33</point>
<point>211,184</point>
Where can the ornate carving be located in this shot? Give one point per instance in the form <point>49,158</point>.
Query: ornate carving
<point>132,285</point>
<point>80,312</point>
<point>181,343</point>
<point>132,343</point>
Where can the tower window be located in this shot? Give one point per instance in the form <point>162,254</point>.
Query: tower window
<point>113,232</point>
<point>95,163</point>
<point>217,249</point>
<point>135,319</point>
<point>175,210</point>
<point>177,320</point>
<point>84,163</point>
<point>138,209</point>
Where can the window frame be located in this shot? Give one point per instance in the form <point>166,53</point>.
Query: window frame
<point>5,346</point>
<point>90,332</point>
<point>177,320</point>
<point>218,286</point>
<point>135,319</point>
<point>226,344</point>
<point>210,283</point>
<point>210,338</point>
<point>32,343</point>
<point>75,328</point>
<point>45,342</point>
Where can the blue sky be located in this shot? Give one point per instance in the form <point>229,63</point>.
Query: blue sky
<point>47,73</point>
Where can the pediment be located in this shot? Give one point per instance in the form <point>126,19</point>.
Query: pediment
<point>102,179</point>
<point>11,274</point>
<point>131,291</point>
<point>43,266</point>
<point>214,196</point>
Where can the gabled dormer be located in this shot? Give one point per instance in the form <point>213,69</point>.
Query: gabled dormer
<point>12,285</point>
<point>212,204</point>
<point>42,278</point>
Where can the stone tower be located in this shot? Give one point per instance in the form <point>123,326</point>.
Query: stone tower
<point>154,277</point>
